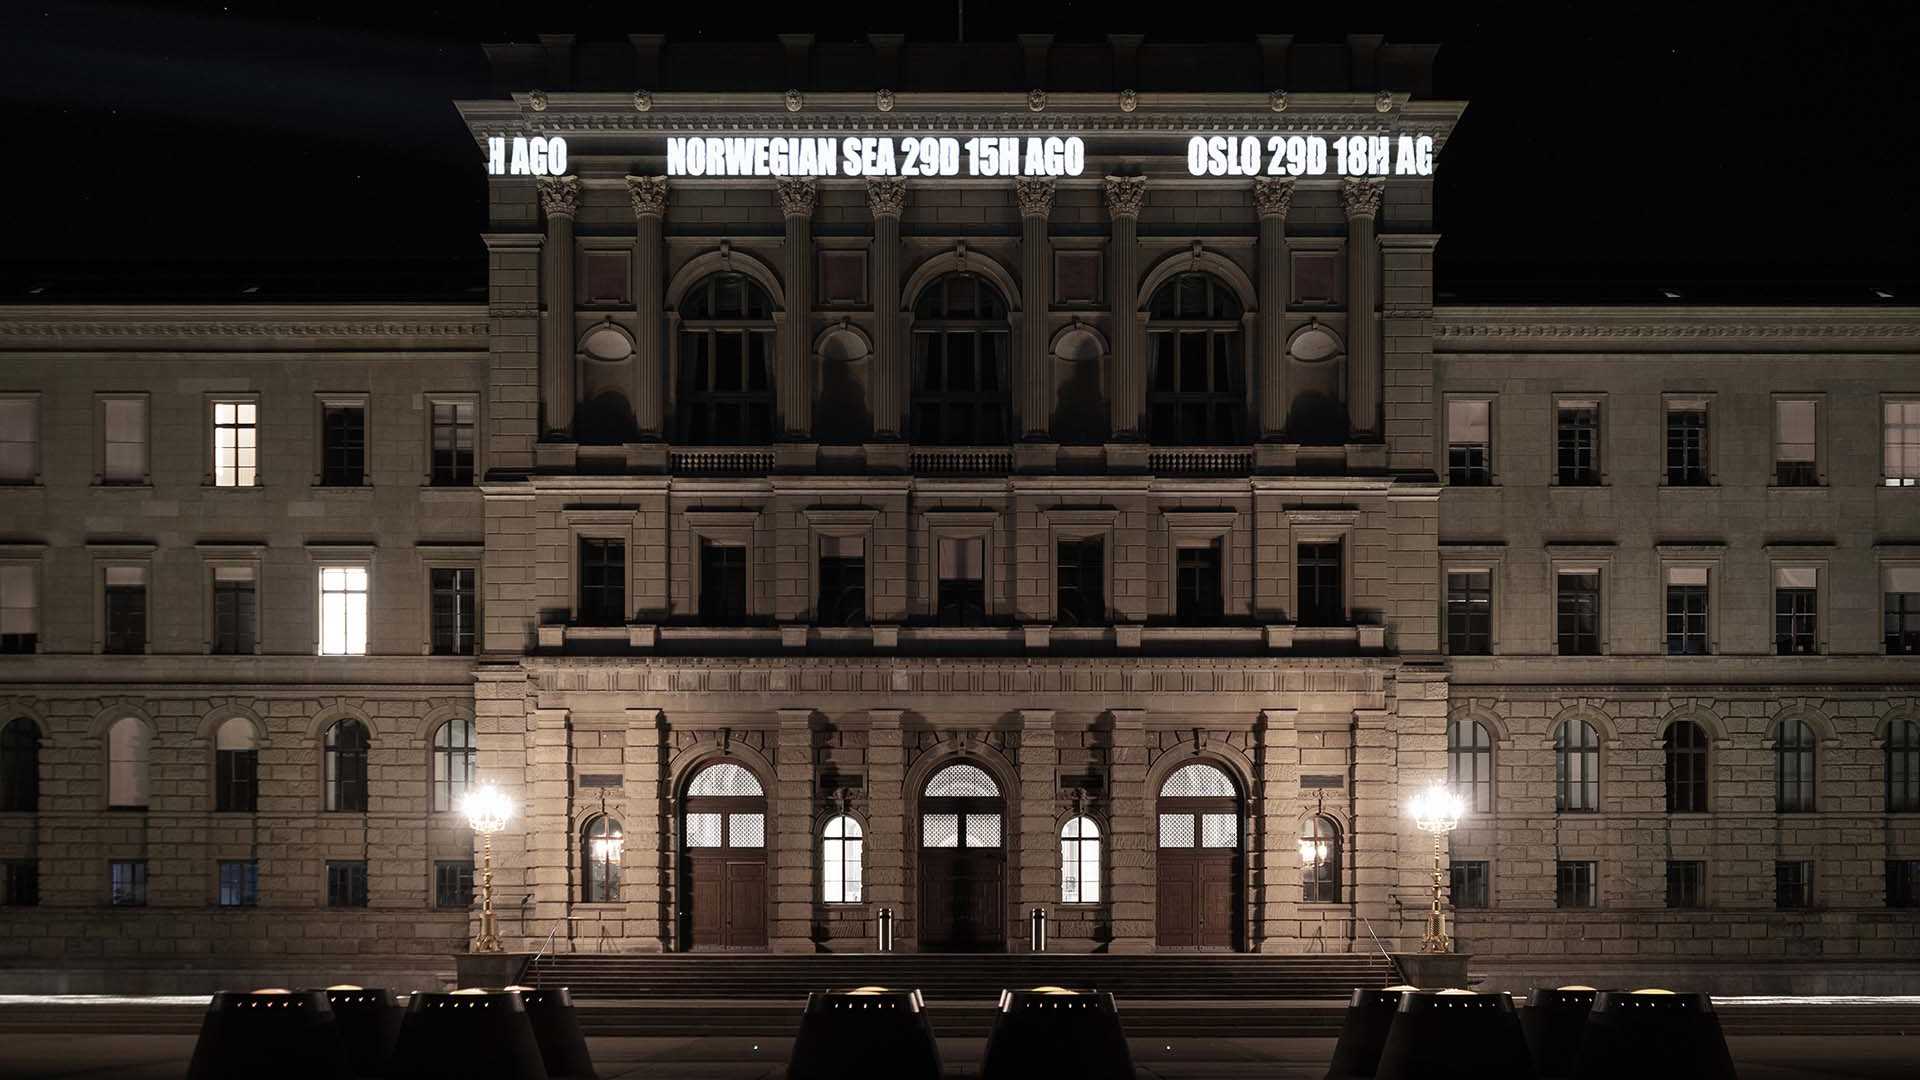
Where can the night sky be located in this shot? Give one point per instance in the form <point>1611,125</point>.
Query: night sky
<point>1609,152</point>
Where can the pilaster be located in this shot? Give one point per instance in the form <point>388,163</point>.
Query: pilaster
<point>794,382</point>
<point>649,195</point>
<point>560,198</point>
<point>887,199</point>
<point>1038,884</point>
<point>1273,199</point>
<point>790,922</point>
<point>1035,375</point>
<point>1130,864</point>
<point>885,849</point>
<point>646,826</point>
<point>1128,401</point>
<point>1361,199</point>
<point>1273,861</point>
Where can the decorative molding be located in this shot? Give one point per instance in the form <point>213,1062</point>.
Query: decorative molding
<point>1035,196</point>
<point>794,101</point>
<point>649,195</point>
<point>560,195</point>
<point>1126,195</point>
<point>886,197</point>
<point>1362,197</point>
<point>797,195</point>
<point>1129,100</point>
<point>1277,100</point>
<point>1273,198</point>
<point>1036,101</point>
<point>642,101</point>
<point>313,327</point>
<point>883,100</point>
<point>1653,329</point>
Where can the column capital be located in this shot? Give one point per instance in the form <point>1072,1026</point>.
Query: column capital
<point>1362,197</point>
<point>797,195</point>
<point>649,194</point>
<point>560,195</point>
<point>1273,197</point>
<point>1125,195</point>
<point>1035,196</point>
<point>886,196</point>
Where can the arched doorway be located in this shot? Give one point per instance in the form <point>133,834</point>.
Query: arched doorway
<point>1199,864</point>
<point>723,860</point>
<point>963,862</point>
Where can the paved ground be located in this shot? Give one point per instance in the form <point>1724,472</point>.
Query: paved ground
<point>164,1057</point>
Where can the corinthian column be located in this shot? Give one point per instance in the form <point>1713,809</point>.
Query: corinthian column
<point>649,195</point>
<point>1272,199</point>
<point>560,198</point>
<point>1128,389</point>
<point>886,199</point>
<point>1035,375</point>
<point>1362,199</point>
<point>794,384</point>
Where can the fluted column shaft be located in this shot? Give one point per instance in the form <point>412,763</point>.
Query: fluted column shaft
<point>1364,375</point>
<point>1128,389</point>
<point>1035,377</point>
<point>560,198</point>
<point>649,380</point>
<point>794,392</point>
<point>1273,198</point>
<point>887,199</point>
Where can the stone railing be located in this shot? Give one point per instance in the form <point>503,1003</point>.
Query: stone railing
<point>1202,461</point>
<point>723,461</point>
<point>963,461</point>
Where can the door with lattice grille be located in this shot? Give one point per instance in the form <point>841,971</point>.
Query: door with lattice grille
<point>963,899</point>
<point>723,860</point>
<point>1198,861</point>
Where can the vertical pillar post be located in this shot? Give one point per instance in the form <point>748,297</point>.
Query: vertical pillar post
<point>794,391</point>
<point>1038,885</point>
<point>546,862</point>
<point>647,826</point>
<point>649,194</point>
<point>886,199</point>
<point>1272,199</point>
<point>1128,388</point>
<point>1035,375</point>
<point>1132,865</point>
<point>560,198</point>
<point>792,915</point>
<point>1362,200</point>
<point>886,839</point>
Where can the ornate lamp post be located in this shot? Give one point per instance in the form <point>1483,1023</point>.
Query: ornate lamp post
<point>1437,810</point>
<point>486,810</point>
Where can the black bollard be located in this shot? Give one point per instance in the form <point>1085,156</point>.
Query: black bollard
<point>556,1030</point>
<point>1363,1034</point>
<point>368,1022</point>
<point>868,1032</point>
<point>1455,1035</point>
<point>467,1035</point>
<point>280,1033</point>
<point>1553,1022</point>
<point>1059,1034</point>
<point>1654,1033</point>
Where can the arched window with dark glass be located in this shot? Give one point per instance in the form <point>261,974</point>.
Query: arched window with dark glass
<point>1793,763</point>
<point>1576,767</point>
<point>840,864</point>
<point>453,763</point>
<point>960,344</point>
<point>1319,861</point>
<point>1196,371</point>
<point>1080,862</point>
<point>346,766</point>
<point>601,844</point>
<point>724,393</point>
<point>236,766</point>
<point>1470,763</point>
<point>1686,746</point>
<point>1903,767</point>
<point>20,766</point>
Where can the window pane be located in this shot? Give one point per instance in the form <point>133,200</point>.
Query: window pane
<point>1176,831</point>
<point>1219,830</point>
<point>746,830</point>
<point>704,830</point>
<point>939,830</point>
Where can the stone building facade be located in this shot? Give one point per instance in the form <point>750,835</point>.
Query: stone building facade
<point>788,495</point>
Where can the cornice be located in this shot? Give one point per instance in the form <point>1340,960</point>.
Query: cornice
<point>361,327</point>
<point>1693,330</point>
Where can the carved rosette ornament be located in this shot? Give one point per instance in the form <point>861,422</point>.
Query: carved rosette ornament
<point>1035,196</point>
<point>1362,197</point>
<point>1273,198</point>
<point>1277,100</point>
<point>1129,100</point>
<point>794,101</point>
<point>1125,195</point>
<point>883,100</point>
<point>797,195</point>
<point>1036,100</point>
<point>643,100</point>
<point>649,194</point>
<point>560,195</point>
<point>886,197</point>
<point>537,101</point>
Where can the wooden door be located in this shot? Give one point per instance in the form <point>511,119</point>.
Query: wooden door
<point>1219,891</point>
<point>746,905</point>
<point>1197,901</point>
<point>962,900</point>
<point>1176,901</point>
<point>707,901</point>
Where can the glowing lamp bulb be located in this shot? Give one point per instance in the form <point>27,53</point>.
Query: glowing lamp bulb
<point>1437,809</point>
<point>486,809</point>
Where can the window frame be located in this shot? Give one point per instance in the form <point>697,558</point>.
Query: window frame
<point>1446,443</point>
<point>441,758</point>
<point>1697,790</point>
<point>601,615</point>
<point>1476,783</point>
<point>1788,558</point>
<point>1490,559</point>
<point>1562,884</point>
<point>1804,880</point>
<point>456,866</point>
<point>248,887</point>
<point>608,524</point>
<point>1191,529</point>
<point>140,883</point>
<point>335,782</point>
<point>1807,802</point>
<point>210,450</point>
<point>682,400</point>
<point>1592,777</point>
<point>1234,330</point>
<point>143,776</point>
<point>225,779</point>
<point>608,871</point>
<point>858,842</point>
<point>1900,739</point>
<point>38,410</point>
<point>1887,479</point>
<point>1907,560</point>
<point>1689,402</point>
<point>1080,860</point>
<point>1455,868</point>
<point>430,402</point>
<point>855,524</point>
<point>32,559</point>
<point>322,563</point>
<point>1582,558</point>
<point>100,463</point>
<point>1602,429</point>
<point>322,403</point>
<point>475,627</point>
<point>1076,525</point>
<point>108,557</point>
<point>961,526</point>
<point>1323,882</point>
<point>13,800</point>
<point>979,331</point>
<point>1700,897</point>
<point>358,883</point>
<point>215,558</point>
<point>1820,450</point>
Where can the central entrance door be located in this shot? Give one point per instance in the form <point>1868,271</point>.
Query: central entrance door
<point>1199,861</point>
<point>724,860</point>
<point>963,862</point>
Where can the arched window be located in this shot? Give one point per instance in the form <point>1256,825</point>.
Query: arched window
<point>1319,861</point>
<point>1576,767</point>
<point>726,807</point>
<point>236,766</point>
<point>840,861</point>
<point>1686,745</point>
<point>725,780</point>
<point>1470,763</point>
<point>1211,824</point>
<point>960,335</point>
<point>20,766</point>
<point>600,849</point>
<point>1903,766</point>
<point>453,763</point>
<point>725,387</point>
<point>1793,768</point>
<point>961,808</point>
<point>346,766</point>
<point>1080,862</point>
<point>129,744</point>
<point>1196,378</point>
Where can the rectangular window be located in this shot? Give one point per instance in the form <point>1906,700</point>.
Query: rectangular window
<point>843,581</point>
<point>1796,606</point>
<point>1903,883</point>
<point>603,582</point>
<point>19,609</point>
<point>19,440</point>
<point>235,611</point>
<point>235,443</point>
<point>127,882</point>
<point>1902,438</point>
<point>1469,884</point>
<point>343,445</point>
<point>454,620</point>
<point>1470,612</point>
<point>1686,884</point>
<point>1577,442</point>
<point>454,430</point>
<point>1198,599</point>
<point>723,583</point>
<point>239,883</point>
<point>1080,579</point>
<point>19,883</point>
<point>123,438</point>
<point>1900,600</point>
<point>236,781</point>
<point>453,883</point>
<point>1687,611</point>
<point>1796,459</point>
<point>1792,885</point>
<point>343,611</point>
<point>1322,584</point>
<point>346,884</point>
<point>961,573</point>
<point>1469,443</point>
<point>1578,885</point>
<point>126,609</point>
<point>1687,444</point>
<point>1578,612</point>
